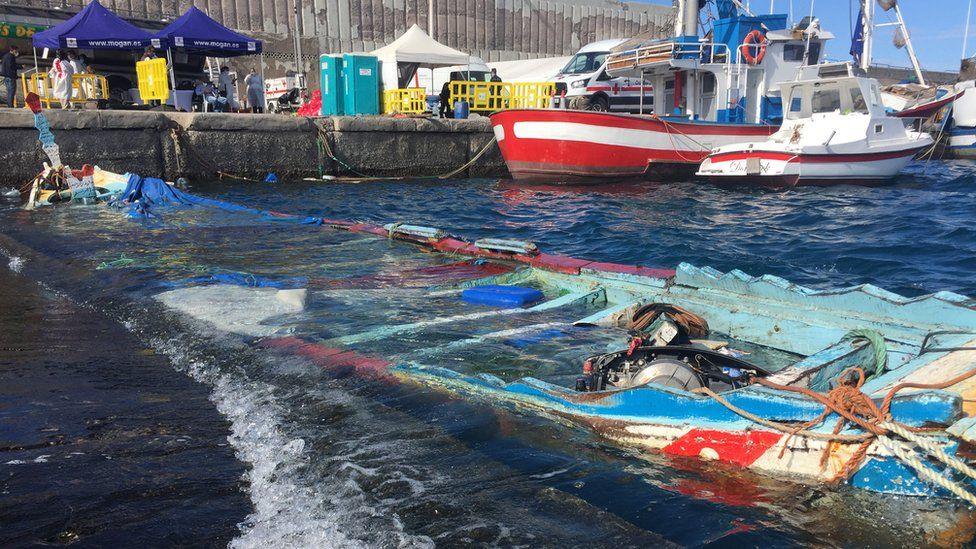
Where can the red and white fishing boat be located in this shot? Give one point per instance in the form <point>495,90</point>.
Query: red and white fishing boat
<point>709,92</point>
<point>580,146</point>
<point>836,132</point>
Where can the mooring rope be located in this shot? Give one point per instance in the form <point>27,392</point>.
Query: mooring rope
<point>327,148</point>
<point>180,137</point>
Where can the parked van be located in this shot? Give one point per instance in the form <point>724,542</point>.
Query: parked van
<point>583,84</point>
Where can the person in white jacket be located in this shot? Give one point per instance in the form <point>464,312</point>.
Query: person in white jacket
<point>61,81</point>
<point>255,91</point>
<point>225,85</point>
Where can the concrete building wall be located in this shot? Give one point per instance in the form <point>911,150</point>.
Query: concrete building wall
<point>495,30</point>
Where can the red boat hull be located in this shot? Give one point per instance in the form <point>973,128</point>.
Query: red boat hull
<point>562,146</point>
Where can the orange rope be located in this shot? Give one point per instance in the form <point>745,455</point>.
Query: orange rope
<point>848,401</point>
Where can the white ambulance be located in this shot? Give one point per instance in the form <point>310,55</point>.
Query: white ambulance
<point>583,84</point>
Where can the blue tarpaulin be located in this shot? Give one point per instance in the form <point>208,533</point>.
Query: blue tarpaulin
<point>143,194</point>
<point>196,32</point>
<point>96,28</point>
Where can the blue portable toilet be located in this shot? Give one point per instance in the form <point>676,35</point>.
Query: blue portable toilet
<point>330,84</point>
<point>361,84</point>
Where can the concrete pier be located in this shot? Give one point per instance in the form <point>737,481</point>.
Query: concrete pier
<point>202,145</point>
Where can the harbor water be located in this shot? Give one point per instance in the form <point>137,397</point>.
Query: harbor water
<point>288,453</point>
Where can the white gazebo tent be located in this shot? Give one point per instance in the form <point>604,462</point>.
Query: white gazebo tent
<point>414,49</point>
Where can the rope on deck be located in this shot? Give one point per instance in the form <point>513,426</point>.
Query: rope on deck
<point>852,405</point>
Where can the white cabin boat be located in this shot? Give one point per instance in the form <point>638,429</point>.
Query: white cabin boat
<point>835,131</point>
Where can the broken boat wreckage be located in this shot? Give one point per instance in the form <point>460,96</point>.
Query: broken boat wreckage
<point>857,384</point>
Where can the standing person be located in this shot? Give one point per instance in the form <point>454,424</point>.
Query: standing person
<point>225,85</point>
<point>78,67</point>
<point>60,74</point>
<point>255,91</point>
<point>445,101</point>
<point>148,55</point>
<point>76,62</point>
<point>494,76</point>
<point>8,73</point>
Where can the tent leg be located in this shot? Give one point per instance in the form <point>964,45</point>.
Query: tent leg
<point>264,94</point>
<point>172,74</point>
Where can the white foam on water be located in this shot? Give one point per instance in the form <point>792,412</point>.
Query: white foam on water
<point>16,263</point>
<point>294,506</point>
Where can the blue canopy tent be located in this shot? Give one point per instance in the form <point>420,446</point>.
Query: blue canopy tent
<point>95,28</point>
<point>196,32</point>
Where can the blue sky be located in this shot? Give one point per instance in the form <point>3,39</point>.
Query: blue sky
<point>936,27</point>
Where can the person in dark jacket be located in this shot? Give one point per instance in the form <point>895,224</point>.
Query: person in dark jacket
<point>445,101</point>
<point>8,73</point>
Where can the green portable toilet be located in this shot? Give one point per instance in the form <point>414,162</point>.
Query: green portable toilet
<point>330,83</point>
<point>360,80</point>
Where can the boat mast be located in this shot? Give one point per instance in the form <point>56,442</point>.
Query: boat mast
<point>867,32</point>
<point>687,20</point>
<point>868,7</point>
<point>965,36</point>
<point>908,44</point>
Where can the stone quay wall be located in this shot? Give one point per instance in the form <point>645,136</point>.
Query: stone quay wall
<point>200,146</point>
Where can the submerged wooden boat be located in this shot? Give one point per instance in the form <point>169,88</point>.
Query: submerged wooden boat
<point>905,430</point>
<point>857,384</point>
<point>64,185</point>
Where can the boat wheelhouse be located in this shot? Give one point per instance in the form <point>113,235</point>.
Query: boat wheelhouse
<point>836,132</point>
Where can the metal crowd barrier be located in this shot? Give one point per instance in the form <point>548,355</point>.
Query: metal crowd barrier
<point>84,87</point>
<point>405,101</point>
<point>495,96</point>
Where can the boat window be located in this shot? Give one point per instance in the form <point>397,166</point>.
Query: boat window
<point>826,100</point>
<point>707,83</point>
<point>858,104</point>
<point>876,94</point>
<point>813,57</point>
<point>793,52</point>
<point>582,63</point>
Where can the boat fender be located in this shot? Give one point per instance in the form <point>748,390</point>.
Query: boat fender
<point>414,230</point>
<point>754,38</point>
<point>505,245</point>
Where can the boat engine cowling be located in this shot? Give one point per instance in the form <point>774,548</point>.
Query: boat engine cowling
<point>686,367</point>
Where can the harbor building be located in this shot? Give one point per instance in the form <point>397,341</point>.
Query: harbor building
<point>494,30</point>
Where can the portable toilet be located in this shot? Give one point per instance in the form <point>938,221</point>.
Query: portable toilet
<point>330,84</point>
<point>360,77</point>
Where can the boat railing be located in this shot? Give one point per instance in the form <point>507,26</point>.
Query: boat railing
<point>705,52</point>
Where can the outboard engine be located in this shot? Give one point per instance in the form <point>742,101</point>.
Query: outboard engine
<point>685,367</point>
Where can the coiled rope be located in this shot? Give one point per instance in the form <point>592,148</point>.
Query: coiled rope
<point>853,406</point>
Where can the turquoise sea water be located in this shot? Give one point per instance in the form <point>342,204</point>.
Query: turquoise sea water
<point>339,460</point>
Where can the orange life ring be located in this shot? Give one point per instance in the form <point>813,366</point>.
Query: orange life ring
<point>754,37</point>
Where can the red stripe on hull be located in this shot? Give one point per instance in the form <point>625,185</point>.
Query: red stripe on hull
<point>813,158</point>
<point>740,448</point>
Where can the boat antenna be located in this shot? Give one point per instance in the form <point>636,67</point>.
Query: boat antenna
<point>965,36</point>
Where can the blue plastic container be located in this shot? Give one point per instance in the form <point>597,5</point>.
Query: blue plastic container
<point>330,84</point>
<point>461,110</point>
<point>361,84</point>
<point>501,296</point>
